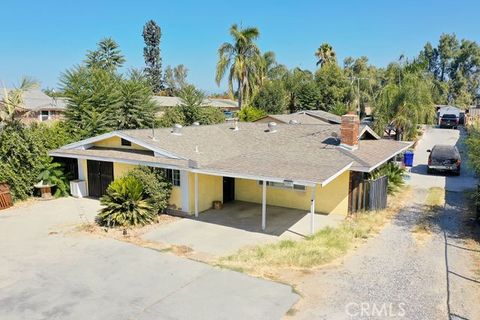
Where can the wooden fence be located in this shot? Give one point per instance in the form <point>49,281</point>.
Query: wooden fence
<point>368,194</point>
<point>5,196</point>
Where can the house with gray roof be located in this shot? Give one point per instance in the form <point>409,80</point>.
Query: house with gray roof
<point>303,117</point>
<point>223,104</point>
<point>306,167</point>
<point>38,107</point>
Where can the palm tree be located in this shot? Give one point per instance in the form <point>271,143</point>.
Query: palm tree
<point>242,59</point>
<point>12,101</point>
<point>107,56</point>
<point>325,54</point>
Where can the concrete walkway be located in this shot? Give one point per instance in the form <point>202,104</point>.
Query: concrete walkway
<point>238,224</point>
<point>47,272</point>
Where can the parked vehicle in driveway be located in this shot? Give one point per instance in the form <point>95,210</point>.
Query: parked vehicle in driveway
<point>444,158</point>
<point>449,120</point>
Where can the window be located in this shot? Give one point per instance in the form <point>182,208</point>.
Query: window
<point>44,115</point>
<point>297,187</point>
<point>126,143</point>
<point>173,176</point>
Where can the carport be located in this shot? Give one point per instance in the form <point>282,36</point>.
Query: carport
<point>264,182</point>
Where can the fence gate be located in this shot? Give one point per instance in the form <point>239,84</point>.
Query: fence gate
<point>5,196</point>
<point>367,194</point>
<point>376,193</point>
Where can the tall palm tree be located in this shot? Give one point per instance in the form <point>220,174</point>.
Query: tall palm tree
<point>325,54</point>
<point>242,59</point>
<point>12,101</point>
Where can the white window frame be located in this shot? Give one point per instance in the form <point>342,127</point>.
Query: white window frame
<point>281,185</point>
<point>40,116</point>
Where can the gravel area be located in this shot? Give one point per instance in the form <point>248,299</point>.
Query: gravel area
<point>396,276</point>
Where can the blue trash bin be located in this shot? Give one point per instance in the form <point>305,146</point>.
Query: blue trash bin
<point>408,158</point>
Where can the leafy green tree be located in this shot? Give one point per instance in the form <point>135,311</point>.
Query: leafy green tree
<point>107,56</point>
<point>175,79</point>
<point>294,81</point>
<point>249,114</point>
<point>192,109</point>
<point>22,155</point>
<point>242,59</point>
<point>333,86</point>
<point>271,98</point>
<point>125,204</point>
<point>325,55</point>
<point>151,52</point>
<point>307,96</point>
<point>136,108</point>
<point>92,100</point>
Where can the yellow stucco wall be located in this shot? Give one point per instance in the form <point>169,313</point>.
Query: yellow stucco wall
<point>115,142</point>
<point>176,198</point>
<point>121,169</point>
<point>210,188</point>
<point>331,199</point>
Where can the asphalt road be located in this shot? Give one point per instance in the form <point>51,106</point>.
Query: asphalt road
<point>47,272</point>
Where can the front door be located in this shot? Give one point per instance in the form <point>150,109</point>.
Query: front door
<point>228,189</point>
<point>100,175</point>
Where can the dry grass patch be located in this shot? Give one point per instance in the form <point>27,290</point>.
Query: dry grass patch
<point>321,248</point>
<point>434,201</point>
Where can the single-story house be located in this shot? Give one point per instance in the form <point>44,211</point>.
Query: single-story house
<point>305,167</point>
<point>303,117</point>
<point>39,107</point>
<point>223,104</point>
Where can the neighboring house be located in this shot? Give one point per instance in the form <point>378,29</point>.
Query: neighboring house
<point>303,117</point>
<point>39,107</point>
<point>223,104</point>
<point>306,167</point>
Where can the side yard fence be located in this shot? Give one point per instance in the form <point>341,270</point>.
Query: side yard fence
<point>368,194</point>
<point>6,200</point>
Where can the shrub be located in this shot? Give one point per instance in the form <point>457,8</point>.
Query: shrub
<point>248,114</point>
<point>52,174</point>
<point>156,188</point>
<point>394,173</point>
<point>271,98</point>
<point>125,204</point>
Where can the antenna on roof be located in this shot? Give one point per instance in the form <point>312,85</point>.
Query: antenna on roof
<point>153,129</point>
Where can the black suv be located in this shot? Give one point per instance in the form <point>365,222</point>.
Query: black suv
<point>444,158</point>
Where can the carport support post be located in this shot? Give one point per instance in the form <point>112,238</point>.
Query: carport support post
<point>196,194</point>
<point>264,204</point>
<point>312,210</point>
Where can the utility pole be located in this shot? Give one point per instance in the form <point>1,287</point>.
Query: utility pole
<point>355,78</point>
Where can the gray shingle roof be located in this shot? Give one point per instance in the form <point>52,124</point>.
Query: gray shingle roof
<point>307,153</point>
<point>300,118</point>
<point>36,100</point>
<point>162,101</point>
<point>323,115</point>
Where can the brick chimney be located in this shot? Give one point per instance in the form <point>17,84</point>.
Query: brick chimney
<point>349,129</point>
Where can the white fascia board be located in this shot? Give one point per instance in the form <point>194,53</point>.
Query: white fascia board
<point>251,177</point>
<point>90,141</point>
<point>336,175</point>
<point>370,130</point>
<point>370,169</point>
<point>136,162</point>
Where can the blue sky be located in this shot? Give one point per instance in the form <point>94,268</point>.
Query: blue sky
<point>43,38</point>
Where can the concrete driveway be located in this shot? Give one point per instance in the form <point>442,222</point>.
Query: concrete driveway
<point>47,272</point>
<point>419,177</point>
<point>238,224</point>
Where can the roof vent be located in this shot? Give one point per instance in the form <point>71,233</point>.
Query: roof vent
<point>293,121</point>
<point>272,127</point>
<point>177,129</point>
<point>196,123</point>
